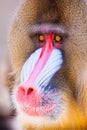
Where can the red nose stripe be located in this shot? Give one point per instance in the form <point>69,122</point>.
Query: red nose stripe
<point>44,56</point>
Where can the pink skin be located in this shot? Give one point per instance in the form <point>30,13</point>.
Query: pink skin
<point>29,95</point>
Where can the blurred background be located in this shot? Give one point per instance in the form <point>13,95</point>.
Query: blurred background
<point>7,11</point>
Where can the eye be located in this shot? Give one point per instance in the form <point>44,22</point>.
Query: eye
<point>41,38</point>
<point>57,38</point>
<point>58,41</point>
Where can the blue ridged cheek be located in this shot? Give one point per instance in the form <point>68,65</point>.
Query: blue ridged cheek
<point>53,64</point>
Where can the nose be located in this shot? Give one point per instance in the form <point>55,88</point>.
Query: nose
<point>28,95</point>
<point>23,91</point>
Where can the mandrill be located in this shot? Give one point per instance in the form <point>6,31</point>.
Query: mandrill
<point>48,49</point>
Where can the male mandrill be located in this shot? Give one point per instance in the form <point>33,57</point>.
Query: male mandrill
<point>48,51</point>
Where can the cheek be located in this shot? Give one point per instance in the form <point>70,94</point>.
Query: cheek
<point>52,66</point>
<point>29,65</point>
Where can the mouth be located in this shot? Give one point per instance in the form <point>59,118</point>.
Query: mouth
<point>39,110</point>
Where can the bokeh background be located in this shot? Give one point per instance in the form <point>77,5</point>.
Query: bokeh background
<point>7,11</point>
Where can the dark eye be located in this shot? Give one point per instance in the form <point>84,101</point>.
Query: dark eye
<point>57,38</point>
<point>41,38</point>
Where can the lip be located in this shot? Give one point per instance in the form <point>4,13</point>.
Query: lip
<point>38,111</point>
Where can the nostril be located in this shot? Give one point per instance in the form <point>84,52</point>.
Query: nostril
<point>21,91</point>
<point>30,90</point>
<point>20,94</point>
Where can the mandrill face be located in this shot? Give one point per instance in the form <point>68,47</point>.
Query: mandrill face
<point>48,53</point>
<point>38,96</point>
<point>37,92</point>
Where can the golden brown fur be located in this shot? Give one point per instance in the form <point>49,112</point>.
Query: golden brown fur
<point>72,16</point>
